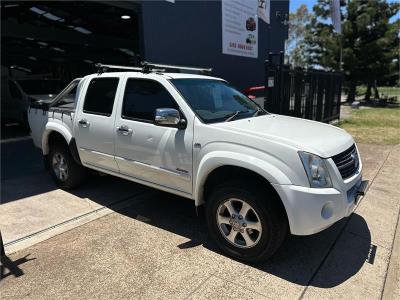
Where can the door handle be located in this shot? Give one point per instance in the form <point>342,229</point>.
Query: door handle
<point>84,122</point>
<point>125,130</point>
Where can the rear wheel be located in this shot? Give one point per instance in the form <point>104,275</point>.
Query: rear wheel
<point>65,171</point>
<point>245,222</point>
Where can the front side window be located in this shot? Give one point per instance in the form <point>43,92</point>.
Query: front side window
<point>215,100</point>
<point>100,96</point>
<point>142,98</point>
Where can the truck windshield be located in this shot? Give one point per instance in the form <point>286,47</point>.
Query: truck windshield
<point>215,100</point>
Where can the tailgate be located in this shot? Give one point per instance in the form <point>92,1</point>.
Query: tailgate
<point>37,118</point>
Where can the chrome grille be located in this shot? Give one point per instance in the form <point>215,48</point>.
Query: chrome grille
<point>347,162</point>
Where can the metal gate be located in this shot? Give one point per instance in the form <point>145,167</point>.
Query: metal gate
<point>304,93</point>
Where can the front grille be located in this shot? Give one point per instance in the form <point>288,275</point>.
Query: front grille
<point>347,162</point>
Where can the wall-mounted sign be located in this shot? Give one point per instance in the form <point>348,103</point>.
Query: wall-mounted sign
<point>264,7</point>
<point>240,27</point>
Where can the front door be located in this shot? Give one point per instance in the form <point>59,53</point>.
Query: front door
<point>94,123</point>
<point>160,155</point>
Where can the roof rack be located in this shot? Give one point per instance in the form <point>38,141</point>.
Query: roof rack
<point>148,67</point>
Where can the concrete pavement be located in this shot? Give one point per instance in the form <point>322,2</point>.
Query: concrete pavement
<point>156,248</point>
<point>32,205</point>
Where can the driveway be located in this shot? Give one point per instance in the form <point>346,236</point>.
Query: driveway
<point>115,239</point>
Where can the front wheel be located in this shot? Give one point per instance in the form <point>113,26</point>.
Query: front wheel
<point>246,222</point>
<point>65,171</point>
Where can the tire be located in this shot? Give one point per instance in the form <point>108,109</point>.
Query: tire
<point>65,171</point>
<point>265,222</point>
<point>2,251</point>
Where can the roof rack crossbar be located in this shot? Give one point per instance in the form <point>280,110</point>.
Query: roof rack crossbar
<point>102,67</point>
<point>149,67</point>
<point>177,67</point>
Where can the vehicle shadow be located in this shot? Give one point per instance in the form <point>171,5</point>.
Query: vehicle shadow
<point>296,261</point>
<point>22,171</point>
<point>23,175</point>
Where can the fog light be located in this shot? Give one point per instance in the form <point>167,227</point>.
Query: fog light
<point>327,210</point>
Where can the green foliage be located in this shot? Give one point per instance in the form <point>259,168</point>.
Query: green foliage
<point>297,28</point>
<point>322,43</point>
<point>369,42</point>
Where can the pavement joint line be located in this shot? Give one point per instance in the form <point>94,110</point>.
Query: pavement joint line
<point>167,257</point>
<point>324,258</point>
<point>342,230</point>
<point>396,239</point>
<point>74,219</point>
<point>240,285</point>
<point>364,238</point>
<point>200,285</point>
<point>396,236</point>
<point>18,139</point>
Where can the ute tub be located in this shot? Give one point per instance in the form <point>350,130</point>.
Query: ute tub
<point>42,119</point>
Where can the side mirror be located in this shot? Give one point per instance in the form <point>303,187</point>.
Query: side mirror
<point>169,117</point>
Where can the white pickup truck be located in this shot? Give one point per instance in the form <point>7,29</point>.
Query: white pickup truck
<point>259,175</point>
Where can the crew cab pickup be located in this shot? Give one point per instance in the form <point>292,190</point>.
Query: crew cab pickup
<point>260,176</point>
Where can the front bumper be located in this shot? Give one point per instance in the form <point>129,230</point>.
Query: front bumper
<point>311,210</point>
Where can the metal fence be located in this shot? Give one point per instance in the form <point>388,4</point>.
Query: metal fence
<point>304,93</point>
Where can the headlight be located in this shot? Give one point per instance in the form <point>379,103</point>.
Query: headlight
<point>316,170</point>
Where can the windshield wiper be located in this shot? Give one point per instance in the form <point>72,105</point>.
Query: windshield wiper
<point>257,112</point>
<point>234,114</point>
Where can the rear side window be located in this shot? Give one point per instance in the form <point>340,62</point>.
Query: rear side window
<point>100,96</point>
<point>142,98</point>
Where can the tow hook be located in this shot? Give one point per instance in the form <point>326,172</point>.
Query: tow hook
<point>362,189</point>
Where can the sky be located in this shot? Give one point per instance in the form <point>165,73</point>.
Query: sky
<point>294,4</point>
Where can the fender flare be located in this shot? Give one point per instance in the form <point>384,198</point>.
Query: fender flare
<point>50,127</point>
<point>55,127</point>
<point>215,159</point>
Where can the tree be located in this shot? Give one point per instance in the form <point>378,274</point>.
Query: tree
<point>322,43</point>
<point>297,30</point>
<point>369,42</point>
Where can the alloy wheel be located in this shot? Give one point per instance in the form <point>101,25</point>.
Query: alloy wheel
<point>60,166</point>
<point>239,223</point>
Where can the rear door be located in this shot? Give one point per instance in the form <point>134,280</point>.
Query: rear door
<point>94,122</point>
<point>156,154</point>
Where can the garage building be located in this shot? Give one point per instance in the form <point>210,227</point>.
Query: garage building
<point>62,39</point>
